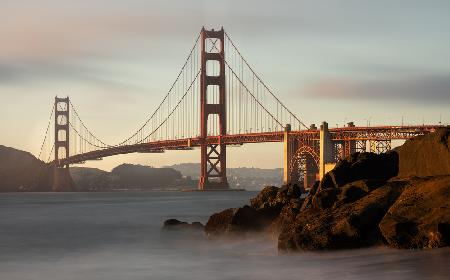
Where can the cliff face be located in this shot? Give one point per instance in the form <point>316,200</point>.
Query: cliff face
<point>21,171</point>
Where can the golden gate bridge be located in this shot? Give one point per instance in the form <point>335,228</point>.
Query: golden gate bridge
<point>216,100</point>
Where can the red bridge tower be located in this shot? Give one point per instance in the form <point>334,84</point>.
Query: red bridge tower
<point>213,156</point>
<point>62,181</point>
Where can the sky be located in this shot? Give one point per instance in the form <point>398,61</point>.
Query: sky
<point>377,62</point>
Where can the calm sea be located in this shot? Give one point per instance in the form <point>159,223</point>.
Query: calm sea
<point>68,236</point>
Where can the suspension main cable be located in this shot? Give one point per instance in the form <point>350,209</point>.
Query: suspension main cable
<point>50,154</point>
<point>261,81</point>
<point>173,110</point>
<point>85,127</point>
<point>246,88</point>
<point>168,93</point>
<point>84,138</point>
<point>46,131</point>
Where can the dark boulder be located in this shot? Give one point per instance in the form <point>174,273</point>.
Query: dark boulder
<point>234,220</point>
<point>286,216</point>
<point>427,155</point>
<point>358,166</point>
<point>325,198</point>
<point>261,213</point>
<point>343,225</point>
<point>420,218</point>
<point>265,197</point>
<point>176,224</point>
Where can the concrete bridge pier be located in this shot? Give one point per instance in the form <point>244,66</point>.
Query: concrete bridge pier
<point>300,166</point>
<point>62,181</point>
<point>326,161</point>
<point>349,145</point>
<point>290,147</point>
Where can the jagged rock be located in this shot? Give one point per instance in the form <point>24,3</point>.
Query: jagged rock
<point>358,166</point>
<point>287,215</point>
<point>176,224</point>
<point>361,202</point>
<point>356,190</point>
<point>427,155</point>
<point>233,220</point>
<point>261,213</point>
<point>325,198</point>
<point>266,196</point>
<point>346,225</point>
<point>420,218</point>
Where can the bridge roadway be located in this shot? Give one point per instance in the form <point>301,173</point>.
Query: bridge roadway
<point>373,133</point>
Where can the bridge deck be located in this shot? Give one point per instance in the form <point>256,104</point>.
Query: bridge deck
<point>337,134</point>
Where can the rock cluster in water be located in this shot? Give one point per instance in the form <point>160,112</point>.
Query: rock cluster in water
<point>401,199</point>
<point>177,224</point>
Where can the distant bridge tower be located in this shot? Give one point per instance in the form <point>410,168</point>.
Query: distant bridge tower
<point>61,179</point>
<point>213,156</point>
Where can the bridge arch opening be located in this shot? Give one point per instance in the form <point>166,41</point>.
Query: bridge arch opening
<point>305,166</point>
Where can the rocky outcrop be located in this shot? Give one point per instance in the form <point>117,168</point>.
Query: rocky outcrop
<point>358,166</point>
<point>348,219</point>
<point>262,212</point>
<point>427,155</point>
<point>397,199</point>
<point>420,217</point>
<point>370,199</point>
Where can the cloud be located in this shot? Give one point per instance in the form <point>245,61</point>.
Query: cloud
<point>427,89</point>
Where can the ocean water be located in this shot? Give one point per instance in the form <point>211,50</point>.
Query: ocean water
<point>74,236</point>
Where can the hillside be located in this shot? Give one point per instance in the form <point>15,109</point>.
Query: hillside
<point>93,179</point>
<point>21,171</point>
<point>129,177</point>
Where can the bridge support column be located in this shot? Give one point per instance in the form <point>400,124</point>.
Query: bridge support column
<point>62,181</point>
<point>380,146</point>
<point>290,175</point>
<point>61,175</point>
<point>213,156</point>
<point>326,149</point>
<point>349,145</point>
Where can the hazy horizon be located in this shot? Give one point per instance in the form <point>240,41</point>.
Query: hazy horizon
<point>381,62</point>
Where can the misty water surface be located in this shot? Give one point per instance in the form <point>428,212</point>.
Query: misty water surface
<point>75,236</point>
